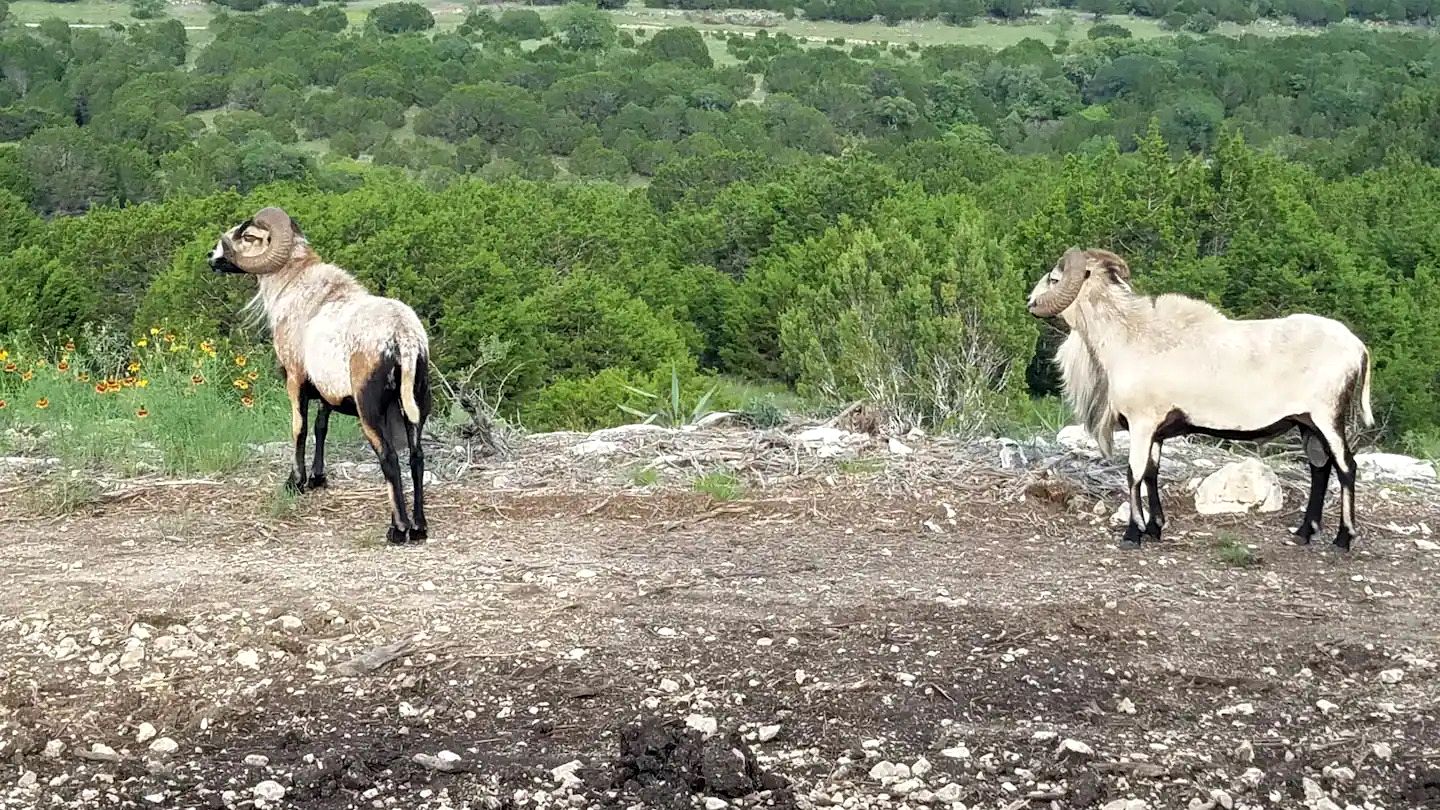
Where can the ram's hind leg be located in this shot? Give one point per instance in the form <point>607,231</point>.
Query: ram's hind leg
<point>1344,462</point>
<point>1317,454</point>
<point>1156,522</point>
<point>318,479</point>
<point>375,399</point>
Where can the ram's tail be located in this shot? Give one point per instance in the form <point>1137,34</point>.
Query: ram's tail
<point>1366,415</point>
<point>413,361</point>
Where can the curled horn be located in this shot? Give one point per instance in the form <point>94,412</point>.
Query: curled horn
<point>1112,262</point>
<point>282,239</point>
<point>1072,275</point>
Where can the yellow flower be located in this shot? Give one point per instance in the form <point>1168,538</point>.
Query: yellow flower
<point>141,383</point>
<point>175,347</point>
<point>82,376</point>
<point>40,363</point>
<point>4,355</point>
<point>169,337</point>
<point>42,403</point>
<point>142,342</point>
<point>128,382</point>
<point>207,347</point>
<point>247,400</point>
<point>154,330</point>
<point>239,360</point>
<point>133,367</point>
<point>241,384</point>
<point>252,376</point>
<point>141,413</point>
<point>27,376</point>
<point>10,368</point>
<point>197,380</point>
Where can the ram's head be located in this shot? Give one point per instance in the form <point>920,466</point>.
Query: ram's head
<point>1059,288</point>
<point>259,245</point>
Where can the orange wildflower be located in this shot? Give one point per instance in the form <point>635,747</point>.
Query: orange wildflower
<point>241,384</point>
<point>69,345</point>
<point>247,400</point>
<point>3,403</point>
<point>82,376</point>
<point>141,413</point>
<point>240,360</point>
<point>10,368</point>
<point>42,403</point>
<point>63,365</point>
<point>197,379</point>
<point>128,382</point>
<point>252,376</point>
<point>102,388</point>
<point>27,376</point>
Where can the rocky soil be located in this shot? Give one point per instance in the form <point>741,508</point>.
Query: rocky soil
<point>865,623</point>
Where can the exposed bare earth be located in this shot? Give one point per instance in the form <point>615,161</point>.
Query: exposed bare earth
<point>915,632</point>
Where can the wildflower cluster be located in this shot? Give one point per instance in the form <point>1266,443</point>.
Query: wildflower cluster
<point>59,374</point>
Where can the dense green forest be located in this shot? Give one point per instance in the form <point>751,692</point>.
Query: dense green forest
<point>577,211</point>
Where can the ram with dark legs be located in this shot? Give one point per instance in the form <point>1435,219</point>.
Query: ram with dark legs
<point>1167,366</point>
<point>338,345</point>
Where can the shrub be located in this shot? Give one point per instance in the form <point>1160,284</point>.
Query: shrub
<point>398,18</point>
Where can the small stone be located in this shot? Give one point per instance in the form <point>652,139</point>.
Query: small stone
<point>164,745</point>
<point>1342,774</point>
<point>668,686</point>
<point>250,660</point>
<point>269,790</point>
<point>1126,706</point>
<point>1392,676</point>
<point>257,760</point>
<point>705,725</point>
<point>768,733</point>
<point>1074,748</point>
<point>145,733</point>
<point>54,749</point>
<point>27,779</point>
<point>1220,797</point>
<point>565,774</point>
<point>898,448</point>
<point>949,793</point>
<point>1427,545</point>
<point>1252,777</point>
<point>958,752</point>
<point>715,803</point>
<point>1325,706</point>
<point>288,622</point>
<point>1381,750</point>
<point>103,752</point>
<point>906,787</point>
<point>885,771</point>
<point>1313,791</point>
<point>921,767</point>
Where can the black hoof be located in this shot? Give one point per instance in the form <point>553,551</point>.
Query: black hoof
<point>1343,544</point>
<point>1127,544</point>
<point>1152,534</point>
<point>397,536</point>
<point>419,534</point>
<point>296,485</point>
<point>318,482</point>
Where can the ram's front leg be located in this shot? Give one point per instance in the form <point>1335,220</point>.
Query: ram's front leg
<point>299,415</point>
<point>1137,473</point>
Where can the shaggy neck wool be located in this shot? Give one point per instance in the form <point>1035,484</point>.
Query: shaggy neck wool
<point>293,294</point>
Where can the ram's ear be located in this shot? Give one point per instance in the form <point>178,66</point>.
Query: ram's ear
<point>1112,263</point>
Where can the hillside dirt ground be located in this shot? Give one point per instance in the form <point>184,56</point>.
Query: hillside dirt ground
<point>873,632</point>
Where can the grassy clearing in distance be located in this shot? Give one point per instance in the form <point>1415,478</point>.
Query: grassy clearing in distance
<point>448,15</point>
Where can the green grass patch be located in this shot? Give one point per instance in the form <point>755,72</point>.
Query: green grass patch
<point>61,495</point>
<point>721,485</point>
<point>164,403</point>
<point>282,503</point>
<point>1234,552</point>
<point>644,477</point>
